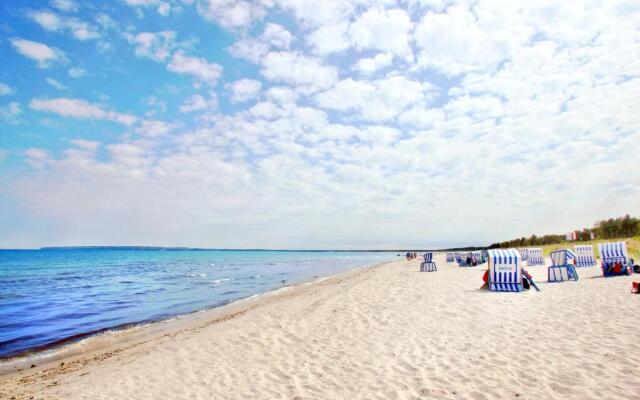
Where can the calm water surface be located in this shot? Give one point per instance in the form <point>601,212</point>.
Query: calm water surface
<point>48,296</point>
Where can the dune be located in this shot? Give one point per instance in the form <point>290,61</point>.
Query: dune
<point>385,332</point>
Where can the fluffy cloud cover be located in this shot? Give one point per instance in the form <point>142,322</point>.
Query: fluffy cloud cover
<point>332,124</point>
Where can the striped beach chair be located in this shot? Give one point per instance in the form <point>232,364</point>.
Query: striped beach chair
<point>534,256</point>
<point>505,273</point>
<point>524,253</point>
<point>428,265</point>
<point>562,269</point>
<point>584,255</point>
<point>462,259</point>
<point>477,256</point>
<point>615,259</point>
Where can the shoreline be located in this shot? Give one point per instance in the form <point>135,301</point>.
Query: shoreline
<point>132,333</point>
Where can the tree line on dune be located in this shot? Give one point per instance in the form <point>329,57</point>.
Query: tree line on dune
<point>621,227</point>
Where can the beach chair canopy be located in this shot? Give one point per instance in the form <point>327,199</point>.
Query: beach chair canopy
<point>524,253</point>
<point>615,250</point>
<point>505,273</point>
<point>534,256</point>
<point>584,255</point>
<point>562,270</point>
<point>562,257</point>
<point>427,257</point>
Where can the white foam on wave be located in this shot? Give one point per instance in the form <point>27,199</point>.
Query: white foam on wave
<point>218,281</point>
<point>201,275</point>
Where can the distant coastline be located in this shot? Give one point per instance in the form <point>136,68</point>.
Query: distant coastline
<point>160,248</point>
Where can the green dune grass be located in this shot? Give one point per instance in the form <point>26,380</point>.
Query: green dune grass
<point>633,246</point>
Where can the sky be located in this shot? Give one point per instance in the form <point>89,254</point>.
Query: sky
<point>352,124</point>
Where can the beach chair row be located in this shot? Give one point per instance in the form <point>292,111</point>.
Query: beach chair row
<point>505,265</point>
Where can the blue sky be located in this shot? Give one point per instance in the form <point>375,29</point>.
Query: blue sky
<point>334,124</point>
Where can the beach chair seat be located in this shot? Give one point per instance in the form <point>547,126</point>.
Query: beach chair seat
<point>428,265</point>
<point>615,259</point>
<point>562,269</point>
<point>505,272</point>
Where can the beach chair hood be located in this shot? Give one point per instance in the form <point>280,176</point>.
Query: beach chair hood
<point>505,273</point>
<point>613,250</point>
<point>562,257</point>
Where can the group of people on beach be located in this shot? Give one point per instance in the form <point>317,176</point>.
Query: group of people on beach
<point>411,255</point>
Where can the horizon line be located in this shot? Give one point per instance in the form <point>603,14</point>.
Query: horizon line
<point>186,248</point>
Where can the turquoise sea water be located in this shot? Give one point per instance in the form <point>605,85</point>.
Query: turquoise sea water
<point>51,296</point>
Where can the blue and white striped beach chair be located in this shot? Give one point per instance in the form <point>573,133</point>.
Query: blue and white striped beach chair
<point>562,269</point>
<point>462,259</point>
<point>524,253</point>
<point>584,255</point>
<point>505,273</point>
<point>534,256</point>
<point>615,259</point>
<point>428,265</point>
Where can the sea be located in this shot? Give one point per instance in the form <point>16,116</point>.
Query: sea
<point>51,297</point>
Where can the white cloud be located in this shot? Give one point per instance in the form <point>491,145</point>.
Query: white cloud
<point>36,153</point>
<point>9,112</point>
<point>6,90</point>
<point>282,95</point>
<point>82,109</point>
<point>469,44</point>
<point>53,22</point>
<point>374,100</point>
<point>250,49</point>
<point>368,66</point>
<point>155,128</point>
<point>385,30</point>
<point>56,84</point>
<point>89,145</point>
<point>204,71</point>
<point>199,103</point>
<point>44,55</point>
<point>307,73</point>
<point>65,5</point>
<point>277,36</point>
<point>329,39</point>
<point>253,49</point>
<point>318,13</point>
<point>231,14</point>
<point>76,72</point>
<point>243,90</point>
<point>156,46</point>
<point>162,7</point>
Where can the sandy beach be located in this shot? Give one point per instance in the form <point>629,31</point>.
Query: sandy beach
<point>385,332</point>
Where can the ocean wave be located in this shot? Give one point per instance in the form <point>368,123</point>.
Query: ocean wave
<point>218,281</point>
